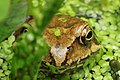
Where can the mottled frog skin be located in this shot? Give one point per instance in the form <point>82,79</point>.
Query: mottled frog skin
<point>75,43</point>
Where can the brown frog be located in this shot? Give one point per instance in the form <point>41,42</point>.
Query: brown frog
<point>75,42</point>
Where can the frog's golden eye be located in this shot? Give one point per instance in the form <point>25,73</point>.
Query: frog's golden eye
<point>89,35</point>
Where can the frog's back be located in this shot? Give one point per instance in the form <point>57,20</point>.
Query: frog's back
<point>65,21</point>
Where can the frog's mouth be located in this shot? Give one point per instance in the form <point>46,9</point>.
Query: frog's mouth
<point>63,68</point>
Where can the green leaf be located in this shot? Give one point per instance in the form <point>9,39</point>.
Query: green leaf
<point>1,71</point>
<point>96,69</point>
<point>1,61</point>
<point>105,69</point>
<point>56,32</point>
<point>75,76</point>
<point>15,18</point>
<point>107,76</point>
<point>97,77</point>
<point>52,68</point>
<point>4,8</point>
<point>7,72</point>
<point>65,77</point>
<point>30,37</point>
<point>9,57</point>
<point>62,19</point>
<point>11,39</point>
<point>26,77</point>
<point>86,71</point>
<point>45,14</point>
<point>2,74</point>
<point>4,67</point>
<point>103,63</point>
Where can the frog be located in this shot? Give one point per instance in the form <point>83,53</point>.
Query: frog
<point>74,44</point>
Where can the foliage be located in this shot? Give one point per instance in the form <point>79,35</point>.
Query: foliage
<point>6,55</point>
<point>105,22</point>
<point>102,15</point>
<point>13,20</point>
<point>27,61</point>
<point>56,32</point>
<point>4,6</point>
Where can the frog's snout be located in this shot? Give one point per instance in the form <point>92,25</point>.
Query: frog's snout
<point>59,54</point>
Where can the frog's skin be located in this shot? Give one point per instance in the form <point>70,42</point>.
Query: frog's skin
<point>75,43</point>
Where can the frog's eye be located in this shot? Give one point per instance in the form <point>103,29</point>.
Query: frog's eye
<point>89,35</point>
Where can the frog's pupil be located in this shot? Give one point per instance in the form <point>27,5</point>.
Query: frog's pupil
<point>89,35</point>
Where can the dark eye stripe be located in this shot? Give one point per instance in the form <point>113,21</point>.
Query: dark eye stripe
<point>82,40</point>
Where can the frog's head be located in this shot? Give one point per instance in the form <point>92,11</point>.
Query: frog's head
<point>72,41</point>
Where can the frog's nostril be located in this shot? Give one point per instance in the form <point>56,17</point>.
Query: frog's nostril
<point>70,49</point>
<point>57,45</point>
